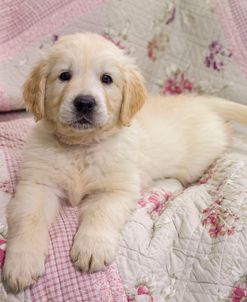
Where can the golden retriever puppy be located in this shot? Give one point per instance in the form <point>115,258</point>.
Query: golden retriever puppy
<point>99,141</point>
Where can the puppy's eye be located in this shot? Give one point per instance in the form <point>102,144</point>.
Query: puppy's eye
<point>106,79</point>
<point>65,76</point>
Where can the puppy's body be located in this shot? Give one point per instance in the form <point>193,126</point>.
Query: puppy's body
<point>97,163</point>
<point>176,137</point>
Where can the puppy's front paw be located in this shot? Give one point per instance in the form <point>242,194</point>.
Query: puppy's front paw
<point>21,269</point>
<point>93,251</point>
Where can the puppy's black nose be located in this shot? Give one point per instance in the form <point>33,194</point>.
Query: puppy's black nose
<point>84,104</point>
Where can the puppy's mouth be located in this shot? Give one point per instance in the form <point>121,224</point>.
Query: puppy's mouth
<point>82,123</point>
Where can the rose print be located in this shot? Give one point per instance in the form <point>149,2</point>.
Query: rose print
<point>2,252</point>
<point>239,293</point>
<point>217,56</point>
<point>160,40</point>
<point>142,292</point>
<point>208,174</point>
<point>118,42</point>
<point>156,201</point>
<point>118,37</point>
<point>219,220</point>
<point>172,16</point>
<point>157,45</point>
<point>177,83</point>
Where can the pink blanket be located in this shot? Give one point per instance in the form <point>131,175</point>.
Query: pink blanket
<point>61,282</point>
<point>23,22</point>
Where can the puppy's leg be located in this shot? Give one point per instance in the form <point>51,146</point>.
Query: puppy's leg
<point>30,214</point>
<point>102,217</point>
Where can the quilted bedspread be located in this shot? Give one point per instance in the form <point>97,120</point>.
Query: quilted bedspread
<point>181,244</point>
<point>190,244</point>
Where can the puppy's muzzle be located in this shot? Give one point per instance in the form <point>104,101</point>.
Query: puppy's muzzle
<point>84,104</point>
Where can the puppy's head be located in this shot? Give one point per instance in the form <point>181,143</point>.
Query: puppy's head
<point>85,84</point>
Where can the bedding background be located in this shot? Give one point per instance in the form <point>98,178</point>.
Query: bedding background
<point>179,44</point>
<point>181,244</point>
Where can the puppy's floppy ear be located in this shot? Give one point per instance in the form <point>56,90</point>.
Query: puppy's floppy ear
<point>134,94</point>
<point>34,90</point>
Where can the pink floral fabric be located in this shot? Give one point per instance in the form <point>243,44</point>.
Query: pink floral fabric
<point>177,84</point>
<point>239,293</point>
<point>155,201</point>
<point>217,56</point>
<point>189,244</point>
<point>179,48</point>
<point>2,252</point>
<point>142,293</point>
<point>219,220</point>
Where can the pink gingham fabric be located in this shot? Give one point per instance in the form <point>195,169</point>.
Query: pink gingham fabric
<point>61,281</point>
<point>13,135</point>
<point>23,22</point>
<point>233,18</point>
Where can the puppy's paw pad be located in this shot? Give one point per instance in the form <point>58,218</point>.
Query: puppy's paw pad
<point>22,269</point>
<point>92,253</point>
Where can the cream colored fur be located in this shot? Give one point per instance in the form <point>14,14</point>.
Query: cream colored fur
<point>102,169</point>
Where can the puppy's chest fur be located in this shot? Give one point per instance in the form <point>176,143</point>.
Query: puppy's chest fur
<point>85,170</point>
<point>81,170</point>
